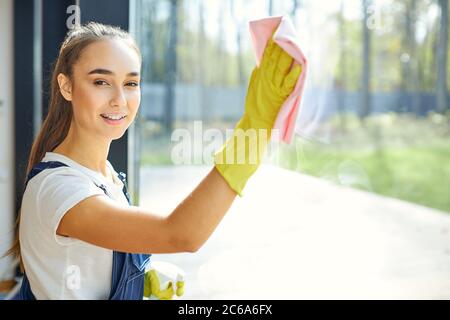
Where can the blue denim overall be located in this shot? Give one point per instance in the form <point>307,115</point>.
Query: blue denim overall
<point>127,281</point>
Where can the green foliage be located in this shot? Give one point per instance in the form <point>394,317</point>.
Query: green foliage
<point>201,58</point>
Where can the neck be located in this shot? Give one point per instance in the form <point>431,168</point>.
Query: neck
<point>79,147</point>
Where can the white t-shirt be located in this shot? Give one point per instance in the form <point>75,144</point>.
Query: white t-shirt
<point>61,267</point>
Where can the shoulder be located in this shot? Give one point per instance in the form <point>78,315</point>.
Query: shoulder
<point>57,184</point>
<point>61,175</point>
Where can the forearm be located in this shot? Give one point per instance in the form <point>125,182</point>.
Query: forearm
<point>200,213</point>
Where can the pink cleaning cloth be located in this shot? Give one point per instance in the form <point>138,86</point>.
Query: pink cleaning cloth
<point>286,37</point>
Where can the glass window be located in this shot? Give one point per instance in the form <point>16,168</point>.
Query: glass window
<point>372,115</point>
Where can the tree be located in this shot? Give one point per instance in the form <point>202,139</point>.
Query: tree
<point>342,65</point>
<point>171,66</point>
<point>295,7</point>
<point>409,81</point>
<point>270,8</point>
<point>366,107</point>
<point>442,58</point>
<point>238,24</point>
<point>201,56</point>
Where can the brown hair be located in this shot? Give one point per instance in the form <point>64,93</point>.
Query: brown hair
<point>57,122</point>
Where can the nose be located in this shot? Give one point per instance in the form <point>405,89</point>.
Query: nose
<point>119,99</point>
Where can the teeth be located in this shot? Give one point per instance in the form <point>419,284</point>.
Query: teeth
<point>113,117</point>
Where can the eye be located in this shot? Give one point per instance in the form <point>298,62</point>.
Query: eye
<point>133,84</point>
<point>99,82</point>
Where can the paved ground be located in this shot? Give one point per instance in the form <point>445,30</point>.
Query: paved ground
<point>297,237</point>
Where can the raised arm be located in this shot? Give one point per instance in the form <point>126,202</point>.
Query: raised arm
<point>100,221</point>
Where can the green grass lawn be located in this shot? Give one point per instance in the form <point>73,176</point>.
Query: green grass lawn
<point>398,156</point>
<point>419,174</point>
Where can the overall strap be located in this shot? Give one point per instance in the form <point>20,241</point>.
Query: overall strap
<point>41,166</point>
<point>123,177</point>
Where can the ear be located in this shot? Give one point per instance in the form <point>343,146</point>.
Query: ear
<point>65,86</point>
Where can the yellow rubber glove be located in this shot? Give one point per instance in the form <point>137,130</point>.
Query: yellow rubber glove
<point>160,279</point>
<point>270,84</point>
<point>152,287</point>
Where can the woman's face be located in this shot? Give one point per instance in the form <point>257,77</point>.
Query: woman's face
<point>106,86</point>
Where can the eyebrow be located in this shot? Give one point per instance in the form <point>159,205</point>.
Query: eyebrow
<point>109,72</point>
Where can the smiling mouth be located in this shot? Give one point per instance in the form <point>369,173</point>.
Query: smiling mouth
<point>112,119</point>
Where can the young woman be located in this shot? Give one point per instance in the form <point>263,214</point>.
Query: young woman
<point>78,237</point>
